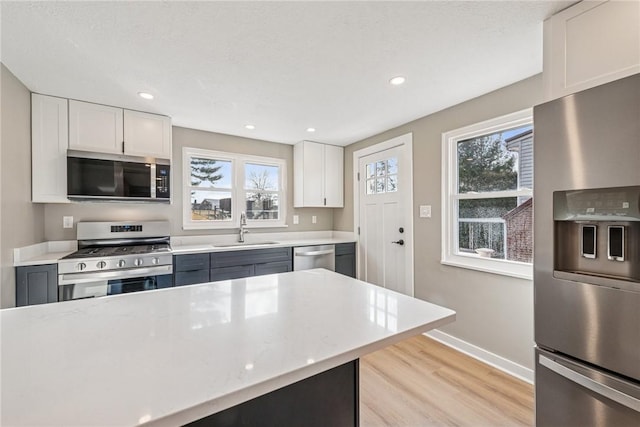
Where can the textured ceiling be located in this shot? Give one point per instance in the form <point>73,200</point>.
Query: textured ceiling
<point>282,66</point>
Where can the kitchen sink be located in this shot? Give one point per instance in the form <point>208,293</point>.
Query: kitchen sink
<point>243,244</point>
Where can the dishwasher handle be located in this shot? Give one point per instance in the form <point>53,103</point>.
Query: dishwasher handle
<point>315,253</point>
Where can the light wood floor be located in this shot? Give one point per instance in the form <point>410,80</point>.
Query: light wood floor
<point>420,382</point>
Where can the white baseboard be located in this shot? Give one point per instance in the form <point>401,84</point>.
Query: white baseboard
<point>498,362</point>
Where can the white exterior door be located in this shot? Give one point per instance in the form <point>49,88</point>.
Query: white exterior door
<point>385,220</point>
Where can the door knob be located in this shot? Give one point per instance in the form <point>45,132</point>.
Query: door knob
<point>399,242</point>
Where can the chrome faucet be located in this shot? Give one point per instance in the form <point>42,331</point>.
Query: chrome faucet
<point>243,224</point>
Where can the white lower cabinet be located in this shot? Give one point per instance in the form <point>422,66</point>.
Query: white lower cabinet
<point>589,44</point>
<point>49,142</point>
<point>318,179</point>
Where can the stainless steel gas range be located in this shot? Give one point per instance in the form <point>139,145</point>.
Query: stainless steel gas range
<point>115,258</point>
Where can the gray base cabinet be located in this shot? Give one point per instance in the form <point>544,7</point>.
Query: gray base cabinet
<point>36,284</point>
<point>191,269</point>
<point>254,262</point>
<point>213,266</point>
<point>346,259</point>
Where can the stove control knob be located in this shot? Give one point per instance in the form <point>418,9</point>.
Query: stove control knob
<point>138,262</point>
<point>155,260</point>
<point>122,263</point>
<point>101,264</point>
<point>81,266</point>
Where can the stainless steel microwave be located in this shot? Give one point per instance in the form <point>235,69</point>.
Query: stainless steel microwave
<point>124,180</point>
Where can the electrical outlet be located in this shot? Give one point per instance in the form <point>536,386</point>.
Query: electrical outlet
<point>296,219</point>
<point>425,211</point>
<point>67,222</point>
<point>314,219</point>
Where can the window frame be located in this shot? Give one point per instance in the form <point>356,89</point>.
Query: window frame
<point>237,190</point>
<point>450,197</point>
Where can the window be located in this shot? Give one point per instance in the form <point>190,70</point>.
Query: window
<point>219,186</point>
<point>382,176</point>
<point>488,196</point>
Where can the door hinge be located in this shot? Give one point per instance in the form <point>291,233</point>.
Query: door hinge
<point>358,176</point>
<point>358,231</point>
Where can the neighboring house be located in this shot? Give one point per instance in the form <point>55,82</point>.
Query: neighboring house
<point>212,208</point>
<point>518,224</point>
<point>523,145</point>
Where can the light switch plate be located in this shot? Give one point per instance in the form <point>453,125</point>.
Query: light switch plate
<point>67,222</point>
<point>314,219</point>
<point>296,219</point>
<point>425,211</point>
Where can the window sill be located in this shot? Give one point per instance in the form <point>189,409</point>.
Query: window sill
<point>505,268</point>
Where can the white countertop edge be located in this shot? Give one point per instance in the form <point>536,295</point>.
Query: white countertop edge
<point>43,253</point>
<point>237,397</point>
<point>50,252</point>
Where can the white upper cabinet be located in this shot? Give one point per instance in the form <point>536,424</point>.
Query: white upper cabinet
<point>318,175</point>
<point>49,142</point>
<point>96,128</point>
<point>103,129</point>
<point>333,176</point>
<point>147,135</point>
<point>589,44</point>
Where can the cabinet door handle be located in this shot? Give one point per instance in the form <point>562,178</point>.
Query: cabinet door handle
<point>325,201</point>
<point>122,147</point>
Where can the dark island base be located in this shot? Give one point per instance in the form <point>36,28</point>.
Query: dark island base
<point>327,399</point>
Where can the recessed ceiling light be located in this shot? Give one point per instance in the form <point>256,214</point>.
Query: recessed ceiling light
<point>250,127</point>
<point>145,95</point>
<point>397,80</point>
<point>311,129</point>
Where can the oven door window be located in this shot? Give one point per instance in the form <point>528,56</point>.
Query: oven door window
<point>100,288</point>
<point>136,284</point>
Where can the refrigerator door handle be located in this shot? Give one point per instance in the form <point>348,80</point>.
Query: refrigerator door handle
<point>596,387</point>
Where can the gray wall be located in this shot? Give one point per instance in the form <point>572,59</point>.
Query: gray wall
<point>183,137</point>
<point>21,222</point>
<point>494,312</point>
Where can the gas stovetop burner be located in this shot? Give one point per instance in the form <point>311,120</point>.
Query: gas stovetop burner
<point>122,246</point>
<point>115,251</point>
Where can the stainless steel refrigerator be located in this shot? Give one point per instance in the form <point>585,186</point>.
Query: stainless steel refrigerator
<point>587,257</point>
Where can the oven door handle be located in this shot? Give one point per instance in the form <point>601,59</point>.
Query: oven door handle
<point>590,384</point>
<point>76,278</point>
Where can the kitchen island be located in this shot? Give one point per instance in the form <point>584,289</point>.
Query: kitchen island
<point>178,355</point>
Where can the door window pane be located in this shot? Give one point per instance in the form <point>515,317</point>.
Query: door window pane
<point>392,183</point>
<point>381,176</point>
<point>371,170</point>
<point>371,186</point>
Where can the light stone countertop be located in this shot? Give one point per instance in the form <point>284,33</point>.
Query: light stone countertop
<point>171,356</point>
<point>51,252</point>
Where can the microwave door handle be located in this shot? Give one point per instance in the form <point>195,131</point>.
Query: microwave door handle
<point>590,384</point>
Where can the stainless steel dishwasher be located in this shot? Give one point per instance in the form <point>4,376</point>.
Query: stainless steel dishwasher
<point>321,256</point>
